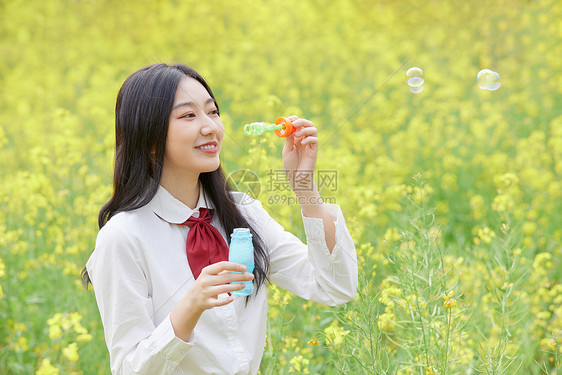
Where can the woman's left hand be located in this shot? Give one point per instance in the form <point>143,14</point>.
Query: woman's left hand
<point>301,148</point>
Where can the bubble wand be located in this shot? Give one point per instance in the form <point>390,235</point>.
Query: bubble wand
<point>282,127</point>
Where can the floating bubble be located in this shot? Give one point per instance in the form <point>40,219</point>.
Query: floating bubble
<point>257,128</point>
<point>488,80</point>
<point>415,79</point>
<point>282,127</point>
<point>416,89</point>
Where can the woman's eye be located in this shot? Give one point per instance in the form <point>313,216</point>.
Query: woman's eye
<point>214,112</point>
<point>188,115</point>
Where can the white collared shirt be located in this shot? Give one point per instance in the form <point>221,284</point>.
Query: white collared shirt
<point>139,271</point>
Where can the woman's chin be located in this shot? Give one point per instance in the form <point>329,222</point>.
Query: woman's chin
<point>211,168</point>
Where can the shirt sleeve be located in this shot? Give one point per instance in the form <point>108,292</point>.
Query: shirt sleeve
<point>309,270</point>
<point>136,345</point>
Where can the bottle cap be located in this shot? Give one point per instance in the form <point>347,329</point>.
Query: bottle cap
<point>241,232</point>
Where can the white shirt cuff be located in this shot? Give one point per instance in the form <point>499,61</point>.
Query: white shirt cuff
<point>314,227</point>
<point>171,346</point>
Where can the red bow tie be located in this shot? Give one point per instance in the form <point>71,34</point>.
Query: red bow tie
<point>204,245</point>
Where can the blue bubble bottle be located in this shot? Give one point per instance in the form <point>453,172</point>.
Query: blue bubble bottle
<point>241,251</point>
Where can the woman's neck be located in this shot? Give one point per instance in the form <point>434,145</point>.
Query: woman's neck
<point>183,188</point>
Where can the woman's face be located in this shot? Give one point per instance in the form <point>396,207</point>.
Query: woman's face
<point>195,131</point>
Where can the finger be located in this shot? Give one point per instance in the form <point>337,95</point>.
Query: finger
<point>216,268</point>
<point>223,301</point>
<point>310,141</point>
<point>306,131</point>
<point>232,277</point>
<point>289,143</point>
<point>302,123</point>
<point>227,288</point>
<point>293,118</point>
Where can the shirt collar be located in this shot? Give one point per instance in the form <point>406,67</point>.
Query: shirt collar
<point>172,210</point>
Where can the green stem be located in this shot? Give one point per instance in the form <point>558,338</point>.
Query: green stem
<point>449,317</point>
<point>420,315</point>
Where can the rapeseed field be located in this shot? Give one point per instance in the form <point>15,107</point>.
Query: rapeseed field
<point>453,195</point>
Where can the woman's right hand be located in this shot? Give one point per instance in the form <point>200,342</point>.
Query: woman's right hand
<point>204,294</point>
<point>215,279</point>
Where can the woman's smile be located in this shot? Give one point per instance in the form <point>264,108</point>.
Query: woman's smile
<point>208,148</point>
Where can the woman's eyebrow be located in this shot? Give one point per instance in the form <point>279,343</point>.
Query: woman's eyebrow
<point>210,100</point>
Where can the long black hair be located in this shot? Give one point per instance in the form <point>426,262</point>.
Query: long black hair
<point>142,114</point>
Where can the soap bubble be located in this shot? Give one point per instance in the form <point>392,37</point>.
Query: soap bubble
<point>257,128</point>
<point>415,76</point>
<point>416,89</point>
<point>488,80</point>
<point>415,79</point>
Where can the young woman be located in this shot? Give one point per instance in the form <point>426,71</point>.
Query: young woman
<point>163,291</point>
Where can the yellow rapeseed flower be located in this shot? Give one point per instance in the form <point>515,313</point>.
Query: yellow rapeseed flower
<point>298,364</point>
<point>313,342</point>
<point>21,344</point>
<point>55,332</point>
<point>542,263</point>
<point>84,337</point>
<point>79,328</point>
<point>20,327</point>
<point>485,234</point>
<point>289,343</point>
<point>502,203</point>
<point>386,322</point>
<point>280,297</point>
<point>47,368</point>
<point>391,235</point>
<point>506,181</point>
<point>449,295</point>
<point>477,204</point>
<point>71,352</point>
<point>528,228</point>
<point>2,269</point>
<point>335,334</point>
<point>450,303</point>
<point>55,319</point>
<point>66,322</point>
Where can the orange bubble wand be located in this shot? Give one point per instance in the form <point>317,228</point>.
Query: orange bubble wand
<point>282,127</point>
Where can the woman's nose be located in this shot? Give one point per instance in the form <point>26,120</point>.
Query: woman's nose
<point>212,125</point>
